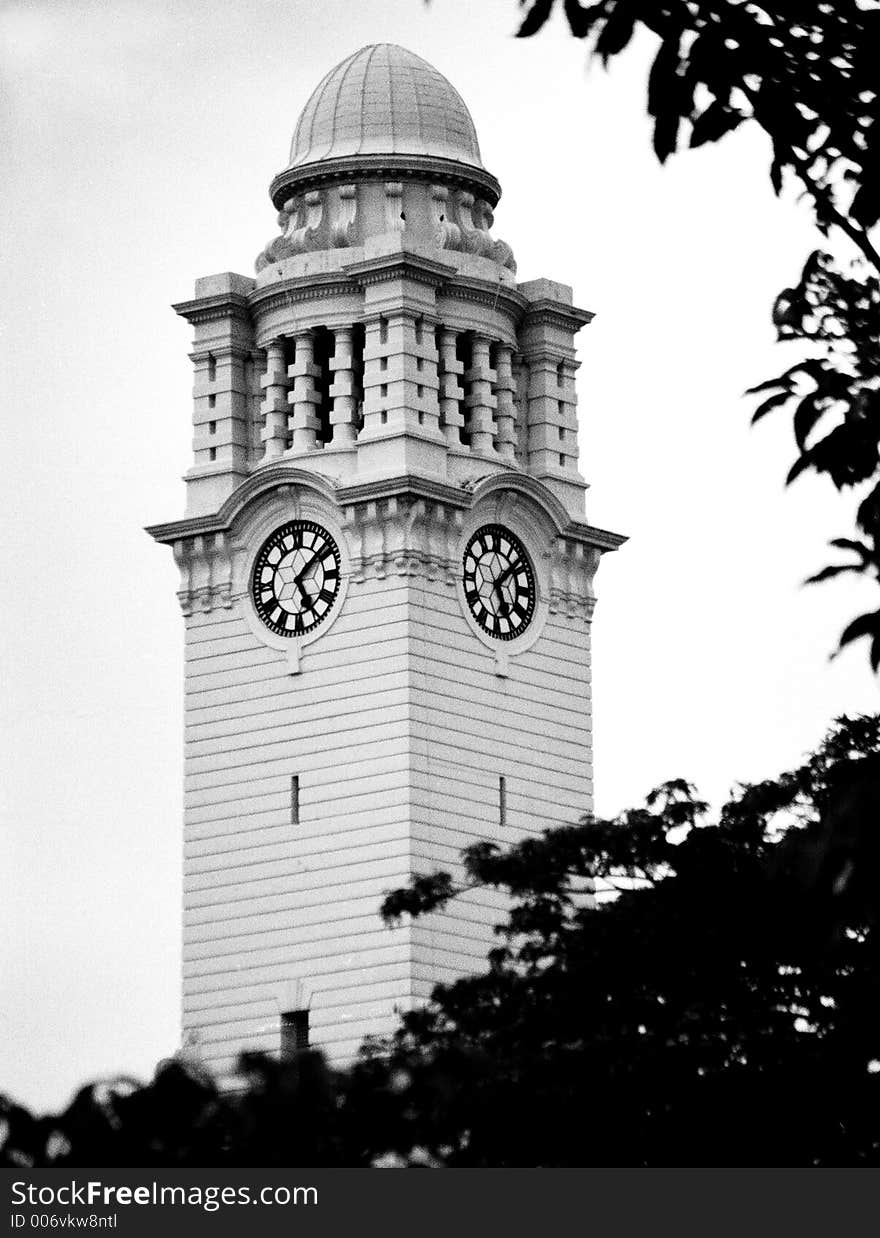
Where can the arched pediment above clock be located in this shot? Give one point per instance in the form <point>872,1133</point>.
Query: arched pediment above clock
<point>295,488</point>
<point>515,493</point>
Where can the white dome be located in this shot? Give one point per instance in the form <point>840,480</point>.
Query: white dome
<point>384,100</point>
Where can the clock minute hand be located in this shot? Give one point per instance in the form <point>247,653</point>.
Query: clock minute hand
<point>308,567</point>
<point>504,608</point>
<point>508,571</point>
<point>298,579</point>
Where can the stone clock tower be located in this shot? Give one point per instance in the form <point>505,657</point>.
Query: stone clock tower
<point>386,573</point>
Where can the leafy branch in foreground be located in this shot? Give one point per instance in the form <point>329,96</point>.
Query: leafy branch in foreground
<point>722,1009</point>
<point>804,71</point>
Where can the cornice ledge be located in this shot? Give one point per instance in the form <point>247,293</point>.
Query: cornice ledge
<point>408,484</point>
<point>300,288</point>
<point>399,262</point>
<point>221,305</point>
<point>484,292</point>
<point>389,165</point>
<point>591,535</point>
<point>549,311</point>
<point>271,477</point>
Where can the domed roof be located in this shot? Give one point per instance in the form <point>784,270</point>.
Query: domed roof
<point>384,100</point>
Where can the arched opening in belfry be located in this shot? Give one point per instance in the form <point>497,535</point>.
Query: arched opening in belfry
<point>324,346</point>
<point>464,353</point>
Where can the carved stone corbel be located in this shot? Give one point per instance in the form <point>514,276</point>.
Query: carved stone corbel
<point>342,225</point>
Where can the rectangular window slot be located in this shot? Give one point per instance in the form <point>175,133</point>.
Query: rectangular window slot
<point>562,461</point>
<point>420,333</point>
<point>420,363</point>
<point>383,390</point>
<point>383,363</point>
<point>212,427</point>
<point>502,801</point>
<point>561,408</point>
<point>383,330</point>
<point>212,401</point>
<point>560,373</point>
<point>212,368</point>
<point>561,433</point>
<point>420,391</point>
<point>294,800</point>
<point>421,419</point>
<point>384,417</point>
<point>294,1033</point>
<point>212,453</point>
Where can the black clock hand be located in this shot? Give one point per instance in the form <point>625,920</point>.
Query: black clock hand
<point>307,601</point>
<point>308,567</point>
<point>504,605</point>
<point>508,571</point>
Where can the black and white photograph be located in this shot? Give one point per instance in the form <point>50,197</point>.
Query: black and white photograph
<point>440,610</point>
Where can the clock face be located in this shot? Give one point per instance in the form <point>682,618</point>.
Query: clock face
<point>499,583</point>
<point>296,578</point>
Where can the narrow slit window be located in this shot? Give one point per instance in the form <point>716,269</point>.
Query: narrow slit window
<point>294,1033</point>
<point>294,800</point>
<point>502,801</point>
<point>212,368</point>
<point>212,401</point>
<point>212,427</point>
<point>212,453</point>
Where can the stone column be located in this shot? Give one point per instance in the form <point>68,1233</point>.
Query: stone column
<point>505,415</point>
<point>343,391</point>
<point>304,397</point>
<point>480,401</point>
<point>451,393</point>
<point>274,408</point>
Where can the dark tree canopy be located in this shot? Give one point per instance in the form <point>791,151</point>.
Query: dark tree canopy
<point>722,1009</point>
<point>804,71</point>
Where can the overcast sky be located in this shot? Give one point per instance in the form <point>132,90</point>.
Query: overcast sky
<point>138,141</point>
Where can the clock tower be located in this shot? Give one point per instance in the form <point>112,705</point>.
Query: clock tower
<point>386,573</point>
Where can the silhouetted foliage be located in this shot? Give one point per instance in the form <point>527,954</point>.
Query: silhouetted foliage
<point>721,1008</point>
<point>804,71</point>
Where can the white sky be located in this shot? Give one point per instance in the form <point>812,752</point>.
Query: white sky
<point>139,140</point>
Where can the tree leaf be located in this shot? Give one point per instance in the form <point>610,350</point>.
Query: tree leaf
<point>535,18</point>
<point>781,397</point>
<point>800,465</point>
<point>866,202</point>
<point>847,543</point>
<point>581,20</point>
<point>864,625</point>
<point>712,124</point>
<point>834,569</point>
<point>617,31</point>
<point>806,415</point>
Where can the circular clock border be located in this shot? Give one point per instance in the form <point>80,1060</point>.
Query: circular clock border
<point>524,630</point>
<point>259,562</point>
